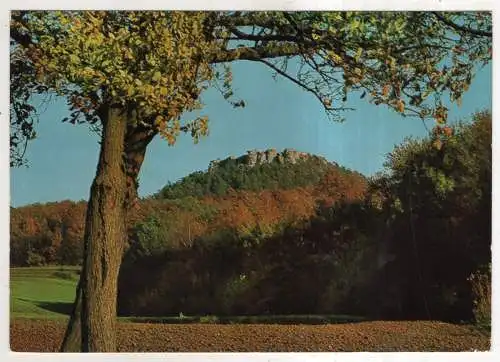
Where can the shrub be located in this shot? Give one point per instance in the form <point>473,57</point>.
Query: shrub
<point>481,291</point>
<point>209,319</point>
<point>34,259</point>
<point>232,292</point>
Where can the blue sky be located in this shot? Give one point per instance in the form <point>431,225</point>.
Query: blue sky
<point>62,160</point>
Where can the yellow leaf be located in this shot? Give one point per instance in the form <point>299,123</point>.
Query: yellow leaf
<point>158,120</point>
<point>386,89</point>
<point>156,76</point>
<point>401,106</point>
<point>440,119</point>
<point>163,91</point>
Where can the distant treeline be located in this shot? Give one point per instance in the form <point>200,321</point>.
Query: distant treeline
<point>411,243</point>
<point>52,233</point>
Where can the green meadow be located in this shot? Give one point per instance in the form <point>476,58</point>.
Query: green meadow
<point>45,292</point>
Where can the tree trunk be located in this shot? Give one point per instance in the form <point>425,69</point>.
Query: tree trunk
<point>72,341</point>
<point>114,187</point>
<point>105,234</point>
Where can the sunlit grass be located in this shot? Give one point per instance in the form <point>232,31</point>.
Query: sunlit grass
<point>45,292</point>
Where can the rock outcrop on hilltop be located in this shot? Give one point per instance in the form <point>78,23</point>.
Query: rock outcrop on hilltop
<point>255,170</point>
<point>254,157</point>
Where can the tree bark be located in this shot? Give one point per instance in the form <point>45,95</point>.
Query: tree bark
<point>72,341</point>
<point>105,234</point>
<point>114,187</point>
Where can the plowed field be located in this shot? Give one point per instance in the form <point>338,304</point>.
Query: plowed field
<point>46,335</point>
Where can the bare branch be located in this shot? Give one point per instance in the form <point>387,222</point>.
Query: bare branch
<point>299,83</point>
<point>462,28</point>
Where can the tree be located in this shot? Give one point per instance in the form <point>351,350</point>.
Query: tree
<point>133,74</point>
<point>149,237</point>
<point>440,201</point>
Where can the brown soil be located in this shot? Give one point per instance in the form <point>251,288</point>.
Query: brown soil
<point>46,335</point>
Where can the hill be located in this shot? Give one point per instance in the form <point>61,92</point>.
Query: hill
<point>255,171</point>
<point>257,190</point>
<point>413,244</point>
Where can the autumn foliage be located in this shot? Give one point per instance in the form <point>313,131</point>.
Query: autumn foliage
<point>54,231</point>
<point>401,245</point>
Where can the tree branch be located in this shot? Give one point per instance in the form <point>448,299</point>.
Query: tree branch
<point>300,84</point>
<point>255,54</point>
<point>462,28</point>
<point>245,19</point>
<point>276,37</point>
<point>20,38</point>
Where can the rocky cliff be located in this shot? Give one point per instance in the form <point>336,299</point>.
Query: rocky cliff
<point>255,157</point>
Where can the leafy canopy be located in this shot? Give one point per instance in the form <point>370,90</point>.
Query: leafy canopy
<point>151,61</point>
<point>156,64</point>
<point>459,168</point>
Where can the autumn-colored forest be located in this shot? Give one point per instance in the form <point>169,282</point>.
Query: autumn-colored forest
<point>301,238</point>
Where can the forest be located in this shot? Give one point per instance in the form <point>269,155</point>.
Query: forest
<point>412,242</point>
<point>308,237</point>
